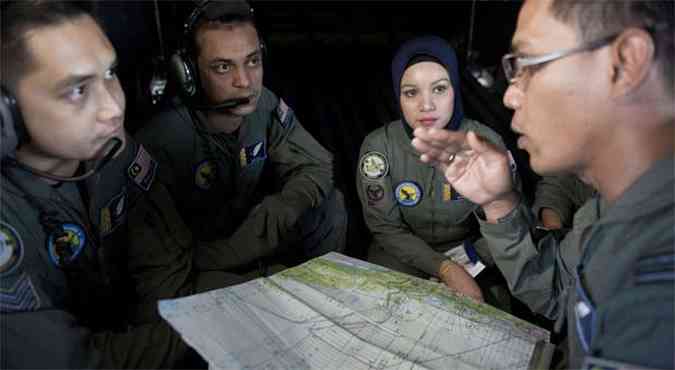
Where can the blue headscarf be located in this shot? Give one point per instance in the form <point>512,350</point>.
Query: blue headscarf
<point>439,50</point>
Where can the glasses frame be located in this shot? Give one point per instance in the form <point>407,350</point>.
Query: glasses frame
<point>513,74</point>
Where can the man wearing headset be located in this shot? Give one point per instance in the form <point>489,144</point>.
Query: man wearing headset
<point>85,249</point>
<point>247,177</point>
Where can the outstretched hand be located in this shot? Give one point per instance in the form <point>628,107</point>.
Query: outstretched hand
<point>476,168</point>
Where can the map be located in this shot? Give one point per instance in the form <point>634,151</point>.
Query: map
<point>337,312</point>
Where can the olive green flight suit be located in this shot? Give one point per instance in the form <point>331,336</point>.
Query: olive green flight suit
<point>413,214</point>
<point>83,264</point>
<point>244,195</point>
<point>610,278</point>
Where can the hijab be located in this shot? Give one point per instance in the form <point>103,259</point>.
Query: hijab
<point>422,49</point>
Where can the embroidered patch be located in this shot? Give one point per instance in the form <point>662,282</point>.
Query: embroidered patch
<point>11,249</point>
<point>447,192</point>
<point>408,193</point>
<point>19,297</point>
<point>205,174</point>
<point>374,192</point>
<point>374,165</point>
<point>112,214</point>
<point>142,170</point>
<point>66,246</point>
<point>284,113</point>
<point>252,153</point>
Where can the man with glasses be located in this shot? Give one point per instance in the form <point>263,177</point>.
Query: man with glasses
<point>591,86</point>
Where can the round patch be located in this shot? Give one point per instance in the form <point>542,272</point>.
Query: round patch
<point>205,174</point>
<point>11,248</point>
<point>408,193</point>
<point>374,192</point>
<point>68,246</point>
<point>374,165</point>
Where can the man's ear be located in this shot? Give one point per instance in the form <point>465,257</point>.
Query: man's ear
<point>632,58</point>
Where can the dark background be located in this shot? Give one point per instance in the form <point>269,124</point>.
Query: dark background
<point>330,61</point>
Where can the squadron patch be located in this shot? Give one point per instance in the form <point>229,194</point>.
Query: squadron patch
<point>112,214</point>
<point>373,165</point>
<point>408,193</point>
<point>252,153</point>
<point>284,113</point>
<point>65,246</point>
<point>142,170</point>
<point>11,249</point>
<point>375,193</point>
<point>18,296</point>
<point>205,174</point>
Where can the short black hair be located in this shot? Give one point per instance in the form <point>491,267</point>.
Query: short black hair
<point>222,12</point>
<point>599,18</point>
<point>20,17</point>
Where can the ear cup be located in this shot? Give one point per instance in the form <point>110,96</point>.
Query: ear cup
<point>12,131</point>
<point>184,73</point>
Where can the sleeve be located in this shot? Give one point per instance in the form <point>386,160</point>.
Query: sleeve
<point>382,214</point>
<point>303,165</point>
<point>556,193</point>
<point>538,268</point>
<point>53,339</point>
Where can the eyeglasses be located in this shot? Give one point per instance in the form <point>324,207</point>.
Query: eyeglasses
<point>514,65</point>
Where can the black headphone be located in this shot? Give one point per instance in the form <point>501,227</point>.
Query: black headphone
<point>12,129</point>
<point>181,64</point>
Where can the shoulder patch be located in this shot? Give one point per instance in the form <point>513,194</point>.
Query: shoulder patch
<point>11,249</point>
<point>373,165</point>
<point>284,113</point>
<point>205,174</point>
<point>19,296</point>
<point>655,268</point>
<point>374,193</point>
<point>112,215</point>
<point>65,246</point>
<point>142,170</point>
<point>252,153</point>
<point>408,193</point>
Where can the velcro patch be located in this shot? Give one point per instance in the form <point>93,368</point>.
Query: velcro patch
<point>284,113</point>
<point>252,153</point>
<point>142,170</point>
<point>19,297</point>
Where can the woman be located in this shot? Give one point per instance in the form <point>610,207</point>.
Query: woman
<point>413,213</point>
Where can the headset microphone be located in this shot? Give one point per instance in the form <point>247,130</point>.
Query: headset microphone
<point>224,105</point>
<point>110,148</point>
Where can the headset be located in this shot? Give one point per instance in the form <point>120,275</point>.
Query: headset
<point>12,129</point>
<point>182,65</point>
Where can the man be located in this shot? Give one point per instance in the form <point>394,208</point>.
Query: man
<point>591,84</point>
<point>248,179</point>
<point>85,249</point>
